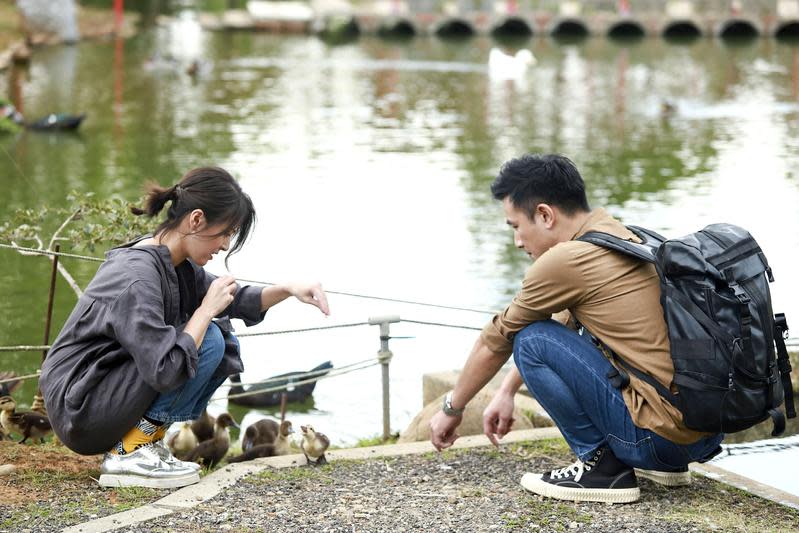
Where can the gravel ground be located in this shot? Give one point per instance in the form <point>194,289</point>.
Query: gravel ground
<point>469,490</point>
<point>465,490</point>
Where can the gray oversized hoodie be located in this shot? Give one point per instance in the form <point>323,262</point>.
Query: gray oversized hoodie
<point>124,344</point>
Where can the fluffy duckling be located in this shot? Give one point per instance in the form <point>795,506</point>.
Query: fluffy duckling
<point>313,445</point>
<point>27,424</point>
<point>183,442</point>
<point>203,427</point>
<point>268,431</point>
<point>208,453</point>
<point>7,382</point>
<point>259,450</point>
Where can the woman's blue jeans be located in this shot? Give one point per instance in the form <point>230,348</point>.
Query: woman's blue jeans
<point>188,401</point>
<point>567,374</point>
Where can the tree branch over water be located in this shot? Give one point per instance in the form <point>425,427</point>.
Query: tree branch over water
<point>84,225</point>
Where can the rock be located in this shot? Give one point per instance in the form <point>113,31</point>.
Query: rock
<point>51,16</point>
<point>7,469</point>
<point>472,424</point>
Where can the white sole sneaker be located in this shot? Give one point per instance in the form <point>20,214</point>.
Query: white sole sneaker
<point>129,480</point>
<point>534,483</point>
<point>669,479</point>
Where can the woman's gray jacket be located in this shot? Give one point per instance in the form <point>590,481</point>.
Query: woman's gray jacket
<point>124,344</point>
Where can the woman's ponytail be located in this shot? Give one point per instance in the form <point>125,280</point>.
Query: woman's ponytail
<point>156,199</point>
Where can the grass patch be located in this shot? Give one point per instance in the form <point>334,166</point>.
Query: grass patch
<point>712,505</point>
<point>46,479</point>
<point>26,514</point>
<point>124,498</point>
<point>295,474</point>
<point>376,440</point>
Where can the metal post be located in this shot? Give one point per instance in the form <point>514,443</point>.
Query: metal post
<point>119,6</point>
<point>38,400</point>
<point>385,356</point>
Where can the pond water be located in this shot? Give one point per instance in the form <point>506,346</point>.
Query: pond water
<point>369,164</point>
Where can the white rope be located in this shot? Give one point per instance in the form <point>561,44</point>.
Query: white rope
<point>334,326</point>
<point>440,324</point>
<point>387,299</point>
<point>25,348</point>
<point>20,378</point>
<point>41,251</point>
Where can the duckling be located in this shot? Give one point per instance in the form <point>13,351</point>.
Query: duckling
<point>210,452</point>
<point>26,424</point>
<point>183,442</point>
<point>268,431</point>
<point>7,382</point>
<point>203,427</point>
<point>313,445</point>
<point>259,450</point>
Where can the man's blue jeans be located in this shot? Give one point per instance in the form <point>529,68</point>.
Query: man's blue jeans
<point>188,401</point>
<point>567,374</point>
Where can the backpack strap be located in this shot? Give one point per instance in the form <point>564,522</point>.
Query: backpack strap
<point>606,240</point>
<point>619,375</point>
<point>784,363</point>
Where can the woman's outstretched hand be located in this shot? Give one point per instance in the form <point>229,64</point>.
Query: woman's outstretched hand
<point>310,293</point>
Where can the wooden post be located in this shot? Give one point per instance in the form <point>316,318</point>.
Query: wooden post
<point>38,400</point>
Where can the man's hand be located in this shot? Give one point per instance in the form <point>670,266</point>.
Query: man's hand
<point>498,417</point>
<point>442,430</point>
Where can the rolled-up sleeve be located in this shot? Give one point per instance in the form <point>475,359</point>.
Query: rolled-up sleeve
<point>164,356</point>
<point>547,289</point>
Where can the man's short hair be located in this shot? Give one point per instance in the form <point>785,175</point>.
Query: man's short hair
<point>533,179</point>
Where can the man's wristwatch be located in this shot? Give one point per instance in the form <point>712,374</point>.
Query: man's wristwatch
<point>447,407</point>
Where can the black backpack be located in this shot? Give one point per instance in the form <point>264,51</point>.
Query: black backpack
<point>722,331</point>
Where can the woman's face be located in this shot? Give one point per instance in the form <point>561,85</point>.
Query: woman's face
<point>205,241</point>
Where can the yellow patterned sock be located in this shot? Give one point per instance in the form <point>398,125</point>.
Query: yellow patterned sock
<point>160,433</point>
<point>141,435</point>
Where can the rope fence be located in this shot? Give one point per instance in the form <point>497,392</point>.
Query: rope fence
<point>287,383</point>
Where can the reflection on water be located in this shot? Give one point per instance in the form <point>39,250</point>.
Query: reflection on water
<point>370,163</point>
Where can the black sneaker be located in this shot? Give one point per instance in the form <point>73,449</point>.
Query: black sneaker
<point>602,478</point>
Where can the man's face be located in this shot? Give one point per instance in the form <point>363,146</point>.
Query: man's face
<point>533,236</point>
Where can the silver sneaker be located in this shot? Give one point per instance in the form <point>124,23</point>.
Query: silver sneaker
<point>167,457</point>
<point>143,468</point>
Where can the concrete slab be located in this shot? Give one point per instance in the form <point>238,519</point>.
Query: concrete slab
<point>746,484</point>
<point>119,520</point>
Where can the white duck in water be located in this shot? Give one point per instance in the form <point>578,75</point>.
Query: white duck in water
<point>502,66</point>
